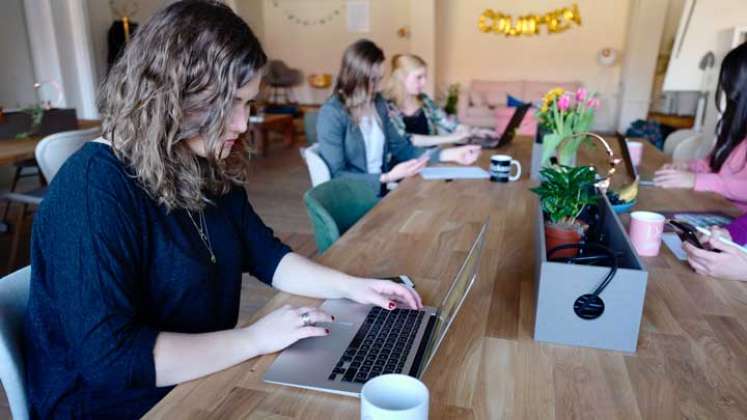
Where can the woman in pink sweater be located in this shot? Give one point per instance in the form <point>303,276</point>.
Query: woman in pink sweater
<point>725,169</point>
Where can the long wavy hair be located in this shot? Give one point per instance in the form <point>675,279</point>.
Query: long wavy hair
<point>355,82</point>
<point>177,79</point>
<point>732,85</point>
<point>402,66</point>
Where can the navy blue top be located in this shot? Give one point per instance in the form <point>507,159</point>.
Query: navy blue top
<point>110,269</point>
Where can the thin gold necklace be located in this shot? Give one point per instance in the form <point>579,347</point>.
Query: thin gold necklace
<point>202,230</point>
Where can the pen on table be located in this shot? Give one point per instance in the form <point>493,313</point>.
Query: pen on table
<point>707,232</point>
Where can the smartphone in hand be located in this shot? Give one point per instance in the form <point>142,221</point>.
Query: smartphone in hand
<point>686,232</point>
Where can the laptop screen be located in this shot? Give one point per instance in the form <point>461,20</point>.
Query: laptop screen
<point>455,296</point>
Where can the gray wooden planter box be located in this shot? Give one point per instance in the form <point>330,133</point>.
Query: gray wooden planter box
<point>558,285</point>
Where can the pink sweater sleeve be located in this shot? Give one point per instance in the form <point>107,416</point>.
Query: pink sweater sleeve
<point>699,166</point>
<point>731,180</point>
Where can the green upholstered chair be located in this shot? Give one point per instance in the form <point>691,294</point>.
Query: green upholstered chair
<point>335,206</point>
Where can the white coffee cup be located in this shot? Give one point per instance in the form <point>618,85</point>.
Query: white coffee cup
<point>500,168</point>
<point>394,397</point>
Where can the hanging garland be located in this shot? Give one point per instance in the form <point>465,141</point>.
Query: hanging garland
<point>305,21</point>
<point>558,20</point>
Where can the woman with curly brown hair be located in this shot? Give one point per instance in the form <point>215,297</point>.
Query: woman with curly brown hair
<point>140,244</point>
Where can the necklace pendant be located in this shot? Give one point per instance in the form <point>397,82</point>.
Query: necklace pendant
<point>212,259</point>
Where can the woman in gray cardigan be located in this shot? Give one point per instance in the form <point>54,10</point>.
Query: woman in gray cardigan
<point>356,137</point>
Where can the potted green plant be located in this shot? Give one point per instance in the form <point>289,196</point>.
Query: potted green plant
<point>452,98</point>
<point>565,192</point>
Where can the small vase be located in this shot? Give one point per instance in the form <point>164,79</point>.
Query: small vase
<point>556,235</point>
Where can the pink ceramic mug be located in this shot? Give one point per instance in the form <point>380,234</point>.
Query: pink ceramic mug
<point>645,232</point>
<point>636,152</point>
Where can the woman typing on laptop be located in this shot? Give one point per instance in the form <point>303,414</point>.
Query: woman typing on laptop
<point>413,112</point>
<point>725,170</point>
<point>356,135</point>
<point>140,244</point>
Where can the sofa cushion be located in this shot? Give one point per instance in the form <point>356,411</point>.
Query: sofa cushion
<point>480,112</point>
<point>476,98</point>
<point>495,91</point>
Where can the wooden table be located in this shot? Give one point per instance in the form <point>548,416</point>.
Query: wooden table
<point>692,354</point>
<point>258,133</point>
<point>17,150</point>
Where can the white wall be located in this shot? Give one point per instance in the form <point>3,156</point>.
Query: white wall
<point>464,53</point>
<point>710,29</point>
<point>644,34</point>
<point>318,49</point>
<point>16,71</point>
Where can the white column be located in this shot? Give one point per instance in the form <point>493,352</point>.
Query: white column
<point>645,28</point>
<point>82,58</point>
<point>44,54</point>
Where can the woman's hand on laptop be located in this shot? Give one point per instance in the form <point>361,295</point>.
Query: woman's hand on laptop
<point>384,293</point>
<point>673,178</point>
<point>286,325</point>
<point>404,170</point>
<point>464,155</point>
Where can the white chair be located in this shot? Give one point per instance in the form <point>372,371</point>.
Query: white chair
<point>675,138</point>
<point>51,152</point>
<point>54,150</point>
<point>687,149</point>
<point>318,170</point>
<point>14,296</point>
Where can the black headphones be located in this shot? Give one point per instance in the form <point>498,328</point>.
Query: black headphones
<point>589,306</point>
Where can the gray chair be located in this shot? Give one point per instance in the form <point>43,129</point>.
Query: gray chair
<point>51,152</point>
<point>281,80</point>
<point>14,296</point>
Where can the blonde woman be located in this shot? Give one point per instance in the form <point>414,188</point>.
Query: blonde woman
<point>139,247</point>
<point>413,113</point>
<point>357,139</point>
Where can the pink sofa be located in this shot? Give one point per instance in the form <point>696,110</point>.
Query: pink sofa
<point>483,104</point>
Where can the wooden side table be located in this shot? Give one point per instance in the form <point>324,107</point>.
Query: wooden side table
<point>258,133</point>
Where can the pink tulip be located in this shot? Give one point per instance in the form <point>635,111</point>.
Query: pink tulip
<point>593,103</point>
<point>581,94</point>
<point>564,102</point>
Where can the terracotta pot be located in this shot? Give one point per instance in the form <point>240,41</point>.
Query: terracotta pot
<point>556,235</point>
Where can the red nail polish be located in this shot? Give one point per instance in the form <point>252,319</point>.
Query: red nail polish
<point>326,330</point>
<point>391,305</point>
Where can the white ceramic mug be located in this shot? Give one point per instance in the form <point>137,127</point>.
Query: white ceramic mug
<point>394,397</point>
<point>500,168</point>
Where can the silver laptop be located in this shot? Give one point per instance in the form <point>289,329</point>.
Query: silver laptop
<point>368,341</point>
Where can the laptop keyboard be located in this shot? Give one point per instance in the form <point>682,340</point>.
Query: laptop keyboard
<point>381,345</point>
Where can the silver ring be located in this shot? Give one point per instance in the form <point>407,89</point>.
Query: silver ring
<point>306,319</point>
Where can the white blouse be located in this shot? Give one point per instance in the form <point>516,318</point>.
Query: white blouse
<point>373,138</point>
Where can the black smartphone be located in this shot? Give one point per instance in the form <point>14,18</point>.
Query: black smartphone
<point>686,232</point>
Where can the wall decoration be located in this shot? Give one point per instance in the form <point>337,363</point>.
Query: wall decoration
<point>359,16</point>
<point>320,18</point>
<point>557,21</point>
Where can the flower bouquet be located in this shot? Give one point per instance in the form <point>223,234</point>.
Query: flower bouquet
<point>561,115</point>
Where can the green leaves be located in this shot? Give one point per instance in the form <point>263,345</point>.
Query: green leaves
<point>565,191</point>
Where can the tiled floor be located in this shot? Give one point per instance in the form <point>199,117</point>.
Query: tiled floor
<point>276,193</point>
